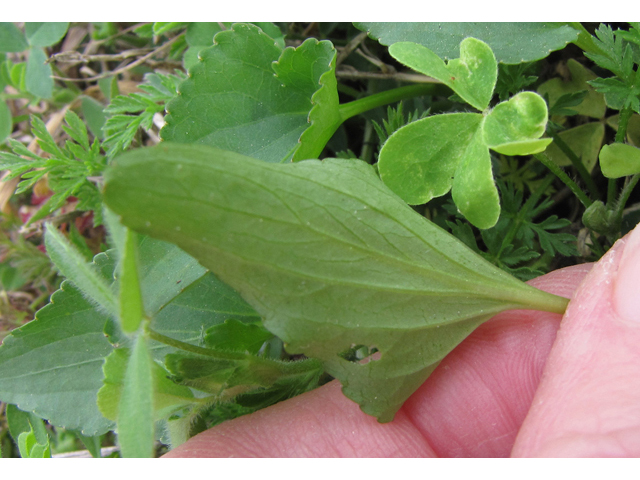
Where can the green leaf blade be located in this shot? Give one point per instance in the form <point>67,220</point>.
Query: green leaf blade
<point>238,99</point>
<point>53,365</point>
<point>619,160</point>
<point>473,190</point>
<point>325,253</point>
<point>45,34</point>
<point>473,76</point>
<point>11,39</point>
<point>418,162</point>
<point>514,127</point>
<point>512,43</point>
<point>38,79</point>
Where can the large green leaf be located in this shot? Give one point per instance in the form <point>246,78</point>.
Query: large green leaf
<point>237,98</point>
<point>327,254</point>
<point>511,42</point>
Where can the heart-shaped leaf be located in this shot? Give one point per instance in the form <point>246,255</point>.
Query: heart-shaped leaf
<point>249,96</point>
<point>514,127</point>
<point>472,76</point>
<point>327,254</point>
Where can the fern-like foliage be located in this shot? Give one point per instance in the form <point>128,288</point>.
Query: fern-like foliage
<point>69,169</point>
<point>129,113</point>
<point>516,240</point>
<point>617,56</point>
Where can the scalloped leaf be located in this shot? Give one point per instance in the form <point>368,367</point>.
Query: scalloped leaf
<point>511,42</point>
<point>52,366</point>
<point>327,254</point>
<point>473,76</point>
<point>237,98</point>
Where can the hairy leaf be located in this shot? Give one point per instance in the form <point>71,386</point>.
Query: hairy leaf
<point>327,254</point>
<point>511,42</point>
<point>237,98</point>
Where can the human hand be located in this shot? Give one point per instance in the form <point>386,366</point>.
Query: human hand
<point>523,384</point>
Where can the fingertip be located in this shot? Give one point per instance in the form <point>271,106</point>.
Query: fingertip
<point>588,401</point>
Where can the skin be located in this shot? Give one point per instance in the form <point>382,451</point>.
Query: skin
<point>525,384</point>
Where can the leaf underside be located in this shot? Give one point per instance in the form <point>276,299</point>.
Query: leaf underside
<point>327,254</point>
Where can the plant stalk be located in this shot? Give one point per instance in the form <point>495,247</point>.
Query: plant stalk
<point>188,347</point>
<point>577,163</point>
<point>381,99</point>
<point>577,191</point>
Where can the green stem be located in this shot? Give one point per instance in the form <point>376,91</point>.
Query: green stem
<point>577,163</point>
<point>585,39</point>
<point>188,347</point>
<point>356,107</point>
<point>558,172</point>
<point>624,196</point>
<point>621,135</point>
<point>623,123</point>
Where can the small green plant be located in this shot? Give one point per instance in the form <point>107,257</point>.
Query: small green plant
<point>242,265</point>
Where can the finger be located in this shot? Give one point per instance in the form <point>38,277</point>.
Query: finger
<point>320,423</point>
<point>475,402</point>
<point>588,403</point>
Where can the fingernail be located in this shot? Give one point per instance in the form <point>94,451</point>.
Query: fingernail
<point>626,292</point>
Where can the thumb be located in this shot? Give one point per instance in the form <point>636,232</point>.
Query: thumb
<point>588,401</point>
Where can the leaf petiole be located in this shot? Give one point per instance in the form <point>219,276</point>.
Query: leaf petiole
<point>188,347</point>
<point>546,161</point>
<point>356,107</point>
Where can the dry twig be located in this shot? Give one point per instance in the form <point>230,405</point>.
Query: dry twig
<point>124,68</point>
